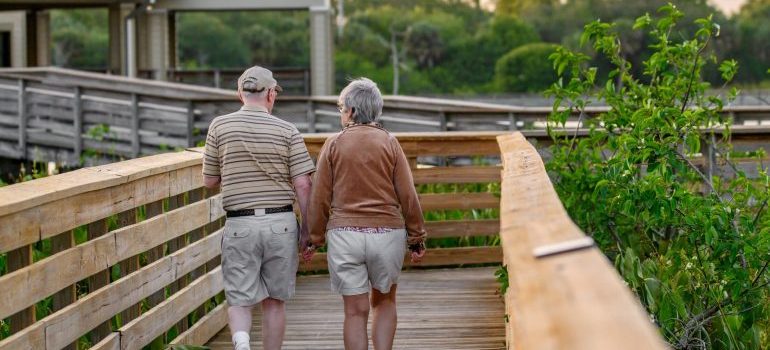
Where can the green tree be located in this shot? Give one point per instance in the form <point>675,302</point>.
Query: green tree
<point>753,51</point>
<point>526,68</point>
<point>693,247</point>
<point>79,38</point>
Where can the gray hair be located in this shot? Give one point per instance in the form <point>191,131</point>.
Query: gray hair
<point>362,96</point>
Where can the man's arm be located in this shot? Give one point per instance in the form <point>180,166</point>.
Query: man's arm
<point>211,181</point>
<point>303,186</point>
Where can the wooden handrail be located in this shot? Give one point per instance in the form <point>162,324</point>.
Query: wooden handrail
<point>569,300</point>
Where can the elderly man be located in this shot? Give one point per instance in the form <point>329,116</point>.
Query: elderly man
<point>262,164</point>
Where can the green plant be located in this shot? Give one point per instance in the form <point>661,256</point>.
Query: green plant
<point>525,68</point>
<point>694,248</point>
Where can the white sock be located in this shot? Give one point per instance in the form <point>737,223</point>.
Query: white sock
<point>240,338</point>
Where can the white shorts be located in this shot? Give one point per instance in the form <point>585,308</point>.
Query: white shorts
<point>259,258</point>
<point>360,261</point>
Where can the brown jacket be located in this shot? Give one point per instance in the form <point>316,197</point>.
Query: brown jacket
<point>363,180</point>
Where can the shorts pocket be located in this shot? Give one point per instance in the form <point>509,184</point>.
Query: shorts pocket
<point>283,237</point>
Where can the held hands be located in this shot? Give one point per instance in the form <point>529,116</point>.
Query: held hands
<point>417,252</point>
<point>306,249</point>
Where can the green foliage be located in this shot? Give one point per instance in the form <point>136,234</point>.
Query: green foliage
<point>693,248</point>
<point>526,68</point>
<point>501,275</point>
<point>79,38</point>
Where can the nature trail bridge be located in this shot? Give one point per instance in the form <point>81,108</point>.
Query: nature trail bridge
<point>66,114</point>
<point>135,248</point>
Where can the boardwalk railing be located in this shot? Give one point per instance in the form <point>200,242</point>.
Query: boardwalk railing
<point>135,244</point>
<point>565,298</point>
<point>54,114</point>
<point>134,250</point>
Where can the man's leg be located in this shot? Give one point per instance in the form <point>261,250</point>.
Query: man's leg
<point>385,318</point>
<point>273,323</point>
<point>240,325</point>
<point>356,316</point>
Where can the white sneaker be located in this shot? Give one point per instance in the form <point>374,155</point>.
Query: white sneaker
<point>242,346</point>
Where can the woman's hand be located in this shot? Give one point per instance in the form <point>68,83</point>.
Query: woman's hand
<point>417,256</point>
<point>418,251</point>
<point>307,253</point>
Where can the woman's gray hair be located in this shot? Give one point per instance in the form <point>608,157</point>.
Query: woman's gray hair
<point>362,96</point>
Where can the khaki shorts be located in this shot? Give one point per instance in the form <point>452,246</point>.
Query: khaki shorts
<point>360,261</point>
<point>259,258</point>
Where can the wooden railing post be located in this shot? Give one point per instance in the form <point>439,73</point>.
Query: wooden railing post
<point>311,117</point>
<point>15,260</point>
<point>442,119</point>
<point>98,280</point>
<point>67,295</point>
<point>129,265</point>
<point>135,145</point>
<point>512,121</point>
<point>190,124</point>
<point>23,118</point>
<point>77,117</point>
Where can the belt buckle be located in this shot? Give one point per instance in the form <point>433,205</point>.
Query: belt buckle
<point>259,212</point>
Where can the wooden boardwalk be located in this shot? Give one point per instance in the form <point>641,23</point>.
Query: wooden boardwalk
<point>437,309</point>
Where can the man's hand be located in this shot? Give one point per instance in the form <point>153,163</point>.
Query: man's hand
<point>305,247</point>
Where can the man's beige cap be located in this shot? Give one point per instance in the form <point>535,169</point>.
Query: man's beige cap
<point>257,79</point>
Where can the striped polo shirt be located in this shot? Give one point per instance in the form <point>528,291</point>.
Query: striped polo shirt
<point>257,155</point>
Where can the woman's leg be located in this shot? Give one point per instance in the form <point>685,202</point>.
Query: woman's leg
<point>356,316</point>
<point>385,318</point>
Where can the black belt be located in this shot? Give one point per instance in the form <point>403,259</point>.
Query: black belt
<point>250,212</point>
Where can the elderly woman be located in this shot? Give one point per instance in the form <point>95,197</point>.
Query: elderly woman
<point>365,206</point>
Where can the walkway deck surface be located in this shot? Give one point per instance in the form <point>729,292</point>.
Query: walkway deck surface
<point>447,309</point>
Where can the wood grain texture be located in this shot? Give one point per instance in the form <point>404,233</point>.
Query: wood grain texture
<point>572,300</point>
<point>437,309</point>
<point>462,228</point>
<point>68,324</point>
<point>69,266</point>
<point>463,201</point>
<point>461,174</point>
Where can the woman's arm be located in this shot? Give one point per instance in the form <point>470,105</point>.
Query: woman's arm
<point>320,197</point>
<point>408,199</point>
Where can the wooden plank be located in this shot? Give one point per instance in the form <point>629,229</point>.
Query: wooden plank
<point>462,228</point>
<point>87,312</point>
<point>464,201</point>
<point>18,260</point>
<point>190,124</point>
<point>456,143</point>
<point>68,295</point>
<point>65,268</point>
<point>533,216</point>
<point>464,174</point>
<point>111,342</point>
<point>174,245</point>
<point>71,212</point>
<point>433,257</point>
<point>144,329</point>
<point>205,329</point>
<point>447,309</point>
<point>30,194</point>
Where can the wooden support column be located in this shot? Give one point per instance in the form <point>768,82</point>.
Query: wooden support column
<point>311,117</point>
<point>321,51</point>
<point>135,142</point>
<point>77,117</point>
<point>190,124</point>
<point>23,115</point>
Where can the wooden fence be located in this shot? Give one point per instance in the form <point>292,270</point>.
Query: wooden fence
<point>560,296</point>
<point>74,117</point>
<point>294,81</point>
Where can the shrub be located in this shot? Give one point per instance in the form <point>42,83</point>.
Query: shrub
<point>526,68</point>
